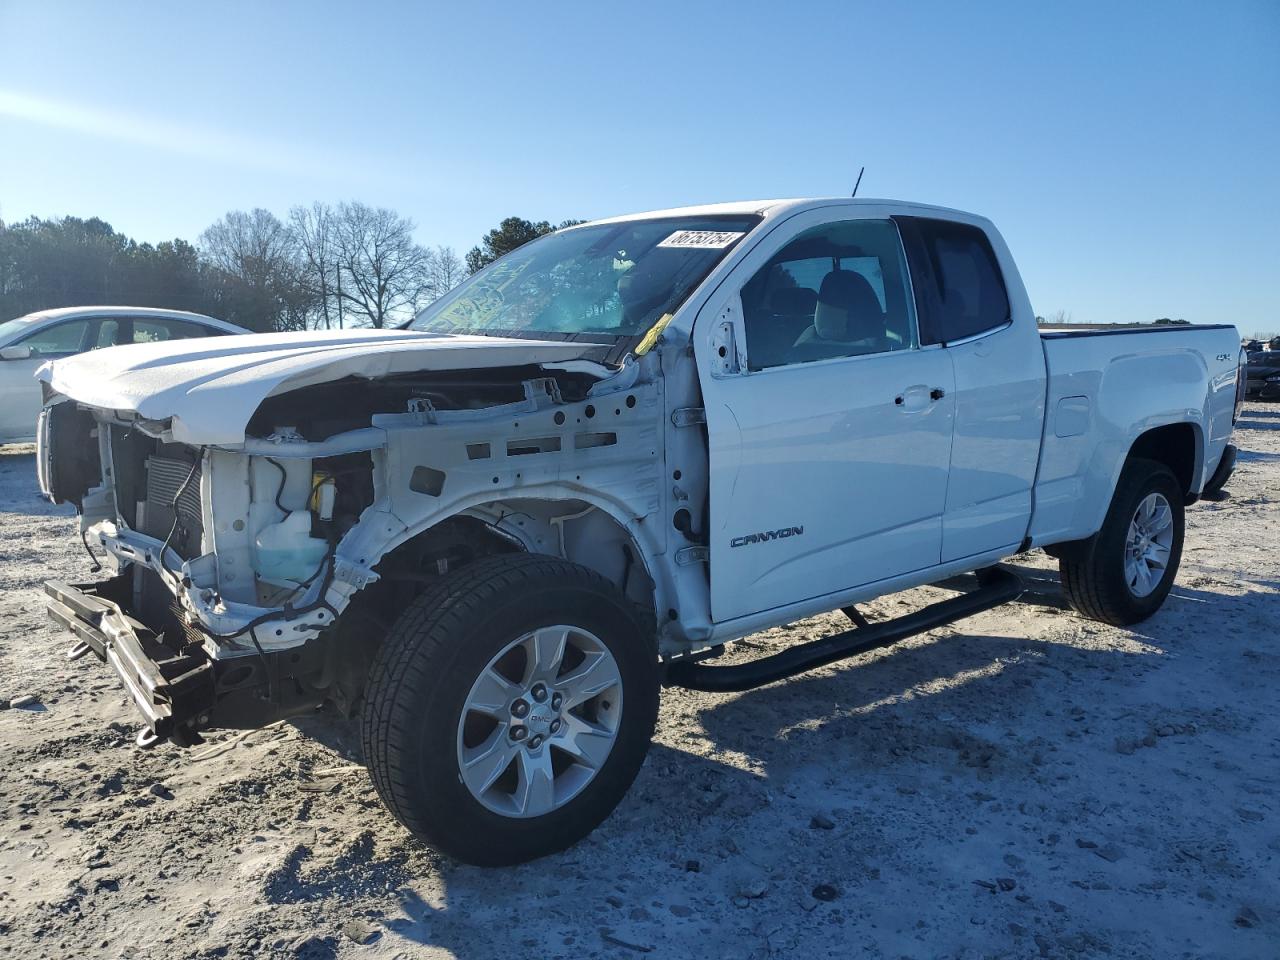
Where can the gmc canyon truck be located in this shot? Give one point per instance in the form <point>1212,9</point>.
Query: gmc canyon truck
<point>492,536</point>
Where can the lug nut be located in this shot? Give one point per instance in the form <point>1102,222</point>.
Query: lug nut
<point>556,701</point>
<point>555,725</point>
<point>518,733</point>
<point>539,692</point>
<point>535,743</point>
<point>519,708</point>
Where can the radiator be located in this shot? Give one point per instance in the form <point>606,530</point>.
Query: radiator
<point>167,481</point>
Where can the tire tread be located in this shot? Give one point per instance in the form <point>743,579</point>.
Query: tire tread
<point>1086,580</point>
<point>418,639</point>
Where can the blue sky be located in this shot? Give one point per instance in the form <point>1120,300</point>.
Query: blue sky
<point>1128,151</point>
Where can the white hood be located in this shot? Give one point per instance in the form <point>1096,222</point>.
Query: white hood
<point>209,388</point>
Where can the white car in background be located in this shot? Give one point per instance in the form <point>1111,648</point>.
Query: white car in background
<point>29,341</point>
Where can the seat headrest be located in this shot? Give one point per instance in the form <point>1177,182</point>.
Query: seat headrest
<point>793,301</point>
<point>848,308</point>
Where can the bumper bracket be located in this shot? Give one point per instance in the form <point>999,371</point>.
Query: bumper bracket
<point>172,687</point>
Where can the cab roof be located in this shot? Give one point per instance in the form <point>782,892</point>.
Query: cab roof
<point>775,208</point>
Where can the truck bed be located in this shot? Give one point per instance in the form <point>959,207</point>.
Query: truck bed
<point>1105,388</point>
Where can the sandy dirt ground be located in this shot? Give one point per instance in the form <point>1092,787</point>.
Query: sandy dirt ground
<point>1026,783</point>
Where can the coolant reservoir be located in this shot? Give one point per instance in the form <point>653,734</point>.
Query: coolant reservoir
<point>285,552</point>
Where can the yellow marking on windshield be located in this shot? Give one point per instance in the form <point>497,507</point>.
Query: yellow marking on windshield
<point>654,333</point>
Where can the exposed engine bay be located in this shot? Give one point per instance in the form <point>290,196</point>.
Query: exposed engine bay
<point>342,501</point>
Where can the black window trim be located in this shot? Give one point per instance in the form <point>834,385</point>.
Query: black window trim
<point>924,283</point>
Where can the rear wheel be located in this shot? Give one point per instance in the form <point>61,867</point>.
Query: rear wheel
<point>1124,575</point>
<point>510,709</point>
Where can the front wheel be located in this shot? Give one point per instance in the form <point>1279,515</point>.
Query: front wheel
<point>1128,570</point>
<point>510,708</point>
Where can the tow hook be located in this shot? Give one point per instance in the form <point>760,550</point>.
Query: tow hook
<point>78,650</point>
<point>146,738</point>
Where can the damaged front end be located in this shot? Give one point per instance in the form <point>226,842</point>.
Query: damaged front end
<point>253,580</point>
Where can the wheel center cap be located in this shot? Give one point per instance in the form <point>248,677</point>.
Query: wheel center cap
<point>539,719</point>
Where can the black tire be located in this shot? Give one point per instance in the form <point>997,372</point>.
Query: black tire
<point>422,676</point>
<point>1093,578</point>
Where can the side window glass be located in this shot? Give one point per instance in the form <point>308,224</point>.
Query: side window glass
<point>183,330</point>
<point>957,278</point>
<point>838,290</point>
<point>108,335</point>
<point>60,339</point>
<point>150,331</point>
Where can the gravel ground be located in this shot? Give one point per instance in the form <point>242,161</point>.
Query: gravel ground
<point>1025,783</point>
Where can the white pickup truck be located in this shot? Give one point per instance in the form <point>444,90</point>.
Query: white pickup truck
<point>493,535</point>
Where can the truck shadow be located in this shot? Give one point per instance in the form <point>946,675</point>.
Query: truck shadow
<point>1258,456</point>
<point>883,716</point>
<point>1041,587</point>
<point>882,729</point>
<point>425,899</point>
<point>926,694</point>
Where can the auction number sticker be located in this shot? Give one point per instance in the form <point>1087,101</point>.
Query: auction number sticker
<point>701,239</point>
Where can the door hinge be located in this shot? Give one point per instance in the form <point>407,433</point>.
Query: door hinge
<point>724,362</point>
<point>690,555</point>
<point>688,416</point>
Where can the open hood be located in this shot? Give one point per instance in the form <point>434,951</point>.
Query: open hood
<point>209,388</point>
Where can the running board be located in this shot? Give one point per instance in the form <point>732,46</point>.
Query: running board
<point>1001,586</point>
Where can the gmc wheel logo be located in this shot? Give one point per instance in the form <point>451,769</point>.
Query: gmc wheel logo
<point>765,536</point>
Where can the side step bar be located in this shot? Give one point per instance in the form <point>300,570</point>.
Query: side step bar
<point>1000,586</point>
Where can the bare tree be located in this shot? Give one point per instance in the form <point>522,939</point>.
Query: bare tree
<point>384,273</point>
<point>445,270</point>
<point>260,271</point>
<point>313,234</point>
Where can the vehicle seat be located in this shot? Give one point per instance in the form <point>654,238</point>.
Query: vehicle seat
<point>772,333</point>
<point>847,320</point>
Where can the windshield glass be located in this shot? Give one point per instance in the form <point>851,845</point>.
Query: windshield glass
<point>615,280</point>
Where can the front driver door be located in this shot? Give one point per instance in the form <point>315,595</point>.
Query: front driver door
<point>20,395</point>
<point>829,426</point>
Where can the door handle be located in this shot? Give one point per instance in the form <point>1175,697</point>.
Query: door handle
<point>917,398</point>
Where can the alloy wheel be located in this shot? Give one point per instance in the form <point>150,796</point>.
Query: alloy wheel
<point>540,721</point>
<point>1148,545</point>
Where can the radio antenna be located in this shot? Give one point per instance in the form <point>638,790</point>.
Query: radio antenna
<point>861,171</point>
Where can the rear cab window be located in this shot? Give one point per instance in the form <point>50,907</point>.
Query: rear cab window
<point>959,290</point>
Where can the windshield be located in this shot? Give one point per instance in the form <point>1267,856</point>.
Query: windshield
<point>615,280</point>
